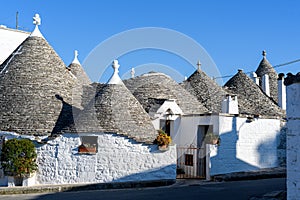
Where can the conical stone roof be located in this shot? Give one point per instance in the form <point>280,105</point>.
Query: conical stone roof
<point>76,69</point>
<point>115,110</point>
<point>82,82</point>
<point>252,100</point>
<point>160,86</point>
<point>34,86</point>
<point>265,67</point>
<point>207,91</point>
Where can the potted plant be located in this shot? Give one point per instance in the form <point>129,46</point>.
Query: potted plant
<point>162,140</point>
<point>18,159</point>
<point>213,139</point>
<point>87,148</point>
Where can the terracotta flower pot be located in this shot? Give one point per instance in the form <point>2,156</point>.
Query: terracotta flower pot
<point>163,147</point>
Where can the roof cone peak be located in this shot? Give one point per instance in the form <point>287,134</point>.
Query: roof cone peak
<point>37,21</point>
<point>75,60</point>
<point>115,79</point>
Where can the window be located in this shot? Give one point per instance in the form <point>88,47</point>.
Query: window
<point>189,159</point>
<point>165,125</point>
<point>89,144</point>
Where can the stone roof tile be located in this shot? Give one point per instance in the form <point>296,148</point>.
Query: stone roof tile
<point>252,100</point>
<point>266,68</point>
<point>115,110</point>
<point>291,79</point>
<point>207,91</point>
<point>160,86</point>
<point>34,85</point>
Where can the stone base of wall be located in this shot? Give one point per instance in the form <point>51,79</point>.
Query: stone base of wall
<point>79,187</point>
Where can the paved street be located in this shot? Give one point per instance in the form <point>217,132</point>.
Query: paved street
<point>237,190</point>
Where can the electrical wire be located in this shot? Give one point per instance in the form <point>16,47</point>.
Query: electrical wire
<point>275,66</point>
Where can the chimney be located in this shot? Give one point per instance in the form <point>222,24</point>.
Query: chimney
<point>132,72</point>
<point>281,92</point>
<point>254,77</point>
<point>230,104</point>
<point>265,84</point>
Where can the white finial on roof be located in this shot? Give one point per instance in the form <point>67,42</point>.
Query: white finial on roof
<point>115,78</point>
<point>37,22</point>
<point>75,60</point>
<point>199,65</point>
<point>132,72</point>
<point>264,53</point>
<point>37,19</point>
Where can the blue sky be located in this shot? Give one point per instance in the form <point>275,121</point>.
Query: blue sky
<point>232,32</point>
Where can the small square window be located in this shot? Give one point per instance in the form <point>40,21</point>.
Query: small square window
<point>89,145</point>
<point>189,159</point>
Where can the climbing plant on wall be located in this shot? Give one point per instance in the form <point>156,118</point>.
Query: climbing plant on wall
<point>18,157</point>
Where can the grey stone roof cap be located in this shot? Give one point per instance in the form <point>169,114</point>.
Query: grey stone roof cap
<point>160,86</point>
<point>251,98</point>
<point>266,68</point>
<point>207,91</point>
<point>115,110</point>
<point>34,89</point>
<point>291,79</point>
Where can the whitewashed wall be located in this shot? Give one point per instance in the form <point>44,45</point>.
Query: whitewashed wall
<point>118,160</point>
<point>186,129</point>
<point>245,145</point>
<point>293,141</point>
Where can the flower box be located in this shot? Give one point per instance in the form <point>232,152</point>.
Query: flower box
<point>87,150</point>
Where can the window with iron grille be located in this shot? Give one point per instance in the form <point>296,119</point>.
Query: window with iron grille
<point>189,158</point>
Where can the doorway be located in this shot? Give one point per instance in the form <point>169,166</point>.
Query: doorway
<point>165,125</point>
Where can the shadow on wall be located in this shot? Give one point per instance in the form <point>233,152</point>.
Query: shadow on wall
<point>226,160</point>
<point>281,146</point>
<point>257,142</point>
<point>65,121</point>
<point>272,153</point>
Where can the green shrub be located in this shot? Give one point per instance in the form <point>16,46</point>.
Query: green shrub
<point>18,157</point>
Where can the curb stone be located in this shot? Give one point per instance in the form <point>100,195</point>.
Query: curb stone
<point>80,187</point>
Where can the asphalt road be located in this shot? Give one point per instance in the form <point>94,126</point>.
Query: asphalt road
<point>237,190</point>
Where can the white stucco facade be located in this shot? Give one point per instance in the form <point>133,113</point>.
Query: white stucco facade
<point>293,141</point>
<point>246,144</point>
<point>118,159</point>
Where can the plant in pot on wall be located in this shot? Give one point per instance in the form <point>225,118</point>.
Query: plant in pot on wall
<point>213,139</point>
<point>162,140</point>
<point>18,159</point>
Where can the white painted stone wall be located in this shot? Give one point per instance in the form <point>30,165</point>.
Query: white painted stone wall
<point>293,141</point>
<point>245,145</point>
<point>118,160</point>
